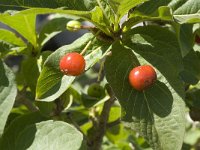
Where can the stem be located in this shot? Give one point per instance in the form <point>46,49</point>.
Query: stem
<point>100,71</point>
<point>89,43</point>
<point>86,47</point>
<point>97,139</point>
<point>21,98</point>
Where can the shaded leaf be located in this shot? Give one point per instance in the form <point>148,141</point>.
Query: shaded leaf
<point>49,135</point>
<point>155,46</point>
<point>191,73</point>
<point>163,13</point>
<point>8,140</point>
<point>8,92</point>
<point>184,11</point>
<point>30,72</point>
<point>156,113</point>
<point>69,4</point>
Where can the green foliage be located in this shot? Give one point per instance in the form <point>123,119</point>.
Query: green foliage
<point>7,95</point>
<point>47,131</point>
<point>116,116</point>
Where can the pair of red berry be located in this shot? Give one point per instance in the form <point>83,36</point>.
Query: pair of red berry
<point>140,77</point>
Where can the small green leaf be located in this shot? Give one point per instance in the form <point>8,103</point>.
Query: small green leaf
<point>8,92</point>
<point>192,97</point>
<point>49,135</point>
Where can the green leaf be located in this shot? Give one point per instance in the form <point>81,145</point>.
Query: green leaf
<point>117,133</point>
<point>89,101</point>
<point>23,24</point>
<point>184,11</point>
<point>156,113</point>
<point>46,108</point>
<point>8,92</point>
<point>191,73</point>
<point>49,134</point>
<point>98,20</point>
<point>163,13</point>
<point>185,36</point>
<point>144,8</point>
<point>10,37</point>
<point>192,97</point>
<point>30,72</point>
<point>8,140</point>
<point>69,4</point>
<point>159,47</point>
<point>188,12</point>
<point>9,42</point>
<point>52,83</point>
<point>121,7</point>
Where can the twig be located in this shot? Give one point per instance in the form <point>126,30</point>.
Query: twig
<point>102,125</point>
<point>21,98</point>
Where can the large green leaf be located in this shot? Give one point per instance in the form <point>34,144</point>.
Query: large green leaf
<point>23,24</point>
<point>95,15</point>
<point>52,83</point>
<point>184,11</point>
<point>8,140</point>
<point>159,47</point>
<point>156,113</point>
<point>55,135</point>
<point>8,92</point>
<point>69,4</point>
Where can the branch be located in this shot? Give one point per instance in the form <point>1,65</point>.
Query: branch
<point>97,139</point>
<point>21,98</point>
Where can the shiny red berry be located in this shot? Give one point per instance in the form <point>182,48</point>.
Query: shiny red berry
<point>142,77</point>
<point>72,64</point>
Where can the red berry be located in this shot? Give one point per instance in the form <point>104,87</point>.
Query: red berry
<point>142,77</point>
<point>72,64</point>
<point>197,39</point>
